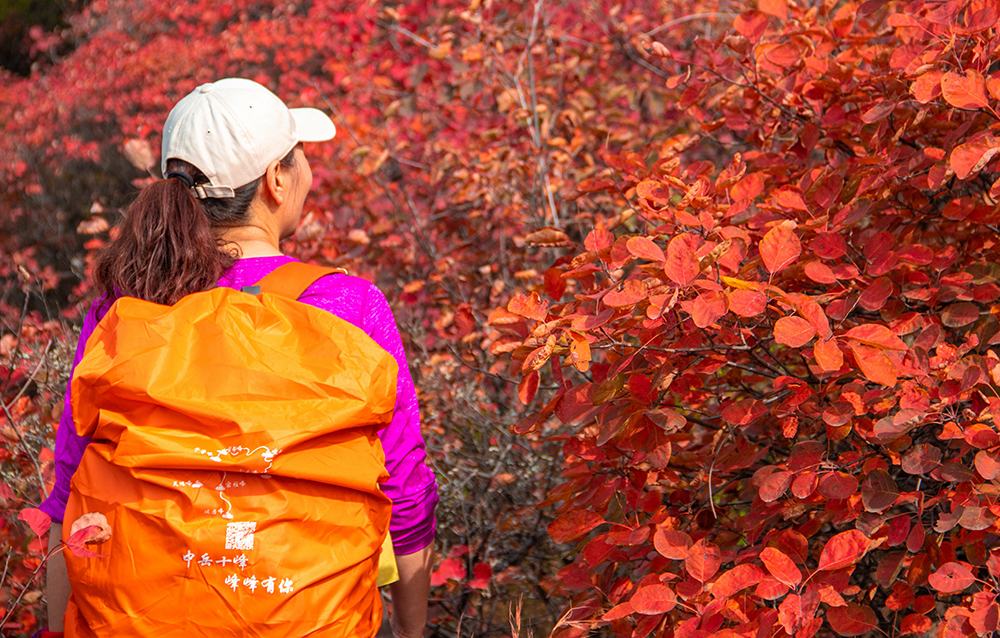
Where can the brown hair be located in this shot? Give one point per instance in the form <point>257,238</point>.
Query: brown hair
<point>166,246</point>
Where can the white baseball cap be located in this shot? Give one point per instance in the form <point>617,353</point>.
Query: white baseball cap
<point>232,129</point>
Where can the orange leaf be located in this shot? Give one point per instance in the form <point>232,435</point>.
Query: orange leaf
<point>573,525</point>
<point>529,306</point>
<point>843,550</point>
<point>656,192</point>
<point>970,158</point>
<point>781,566</point>
<point>915,624</point>
<point>776,8</point>
<point>598,239</point>
<point>672,543</point>
<point>965,91</point>
<point>793,332</point>
<point>707,308</point>
<point>876,367</point>
<point>872,334</point>
<point>645,248</point>
<point>820,272</point>
<point>852,620</point>
<point>951,578</point>
<point>829,356</point>
<point>750,186</point>
<point>703,560</point>
<point>780,247</point>
<point>579,352</point>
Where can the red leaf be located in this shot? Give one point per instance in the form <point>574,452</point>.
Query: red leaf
<point>852,620</point>
<point>672,543</point>
<point>843,550</point>
<point>682,265</point>
<point>829,356</point>
<point>828,246</point>
<point>879,491</point>
<point>985,619</point>
<point>573,525</point>
<point>703,560</point>
<point>449,569</point>
<point>951,578</point>
<point>653,599</point>
<point>774,486</point>
<point>960,314</point>
<point>737,578</point>
<point>631,293</point>
<point>747,303</point>
<point>36,519</point>
<point>780,247</point>
<point>528,387</point>
<point>901,597</point>
<point>878,112</point>
<point>781,566</point>
<point>965,92</point>
<point>645,248</point>
<point>921,459</point>
<point>481,575</point>
<point>987,464</point>
<point>837,485</point>
<point>793,332</point>
<point>875,296</point>
<point>529,306</point>
<point>743,411</point>
<point>751,25</point>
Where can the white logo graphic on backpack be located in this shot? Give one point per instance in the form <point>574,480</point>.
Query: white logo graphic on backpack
<point>240,535</point>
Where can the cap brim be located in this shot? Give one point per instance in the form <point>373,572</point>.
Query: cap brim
<point>313,125</point>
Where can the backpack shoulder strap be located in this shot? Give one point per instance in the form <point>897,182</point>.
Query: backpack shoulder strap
<point>292,279</point>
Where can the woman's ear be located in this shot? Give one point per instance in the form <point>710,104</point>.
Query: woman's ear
<point>276,183</point>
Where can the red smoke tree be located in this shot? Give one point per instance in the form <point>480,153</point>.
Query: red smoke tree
<point>731,266</point>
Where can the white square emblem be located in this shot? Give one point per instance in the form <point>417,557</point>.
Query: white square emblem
<point>240,535</point>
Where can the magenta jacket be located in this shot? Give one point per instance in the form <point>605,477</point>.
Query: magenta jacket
<point>411,485</point>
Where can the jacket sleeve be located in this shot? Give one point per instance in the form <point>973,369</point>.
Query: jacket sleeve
<point>69,444</point>
<point>411,485</point>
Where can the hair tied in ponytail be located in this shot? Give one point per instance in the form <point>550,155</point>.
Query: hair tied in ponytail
<point>181,175</point>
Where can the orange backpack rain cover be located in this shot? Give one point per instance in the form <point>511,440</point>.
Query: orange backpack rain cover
<point>235,455</point>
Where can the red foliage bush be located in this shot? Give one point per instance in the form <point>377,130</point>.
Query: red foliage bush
<point>737,260</point>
